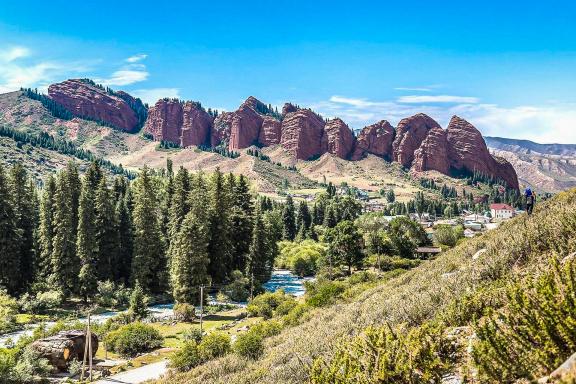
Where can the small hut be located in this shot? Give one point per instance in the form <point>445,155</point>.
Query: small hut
<point>64,347</point>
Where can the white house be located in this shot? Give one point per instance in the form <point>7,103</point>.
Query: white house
<point>502,211</point>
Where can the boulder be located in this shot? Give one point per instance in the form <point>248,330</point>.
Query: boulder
<point>302,133</point>
<point>375,139</point>
<point>86,100</point>
<point>337,139</point>
<point>410,133</point>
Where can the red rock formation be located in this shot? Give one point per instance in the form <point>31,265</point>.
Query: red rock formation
<point>246,124</point>
<point>85,100</point>
<point>337,139</point>
<point>433,152</point>
<point>165,120</point>
<point>288,108</point>
<point>270,131</point>
<point>302,132</point>
<point>468,151</point>
<point>409,135</point>
<point>221,129</point>
<point>196,125</point>
<point>375,139</point>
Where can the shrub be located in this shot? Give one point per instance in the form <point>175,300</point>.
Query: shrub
<point>386,355</point>
<point>390,263</point>
<point>249,345</point>
<point>300,257</point>
<point>267,328</point>
<point>296,315</point>
<point>111,295</point>
<point>445,235</point>
<point>193,334</point>
<point>187,357</point>
<point>8,311</point>
<point>267,303</point>
<point>214,345</point>
<point>323,292</point>
<point>184,312</point>
<point>239,288</point>
<point>42,302</point>
<point>131,339</point>
<point>535,332</point>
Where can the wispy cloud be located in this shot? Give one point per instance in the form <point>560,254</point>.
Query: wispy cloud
<point>410,89</point>
<point>553,122</point>
<point>152,95</point>
<point>136,58</point>
<point>419,99</point>
<point>131,73</point>
<point>18,68</point>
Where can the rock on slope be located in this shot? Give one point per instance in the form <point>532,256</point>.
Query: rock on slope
<point>86,100</point>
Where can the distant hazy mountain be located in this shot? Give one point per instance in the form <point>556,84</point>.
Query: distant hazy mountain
<point>545,167</point>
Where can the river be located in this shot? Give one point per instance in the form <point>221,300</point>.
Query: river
<point>281,279</point>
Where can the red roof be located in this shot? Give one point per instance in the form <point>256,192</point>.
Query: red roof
<point>501,207</point>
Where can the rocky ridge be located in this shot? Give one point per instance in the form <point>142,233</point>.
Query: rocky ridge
<point>418,142</point>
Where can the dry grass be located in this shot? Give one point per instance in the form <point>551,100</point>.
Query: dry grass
<point>519,246</point>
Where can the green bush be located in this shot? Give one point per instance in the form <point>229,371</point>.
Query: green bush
<point>323,292</point>
<point>8,312</point>
<point>267,328</point>
<point>111,295</point>
<point>214,345</point>
<point>535,332</point>
<point>386,355</point>
<point>302,258</point>
<point>250,345</point>
<point>239,288</point>
<point>20,366</point>
<point>187,357</point>
<point>41,302</point>
<point>390,263</point>
<point>134,338</point>
<point>184,312</point>
<point>296,315</point>
<point>266,305</point>
<point>194,334</point>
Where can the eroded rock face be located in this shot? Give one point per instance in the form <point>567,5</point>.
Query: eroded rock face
<point>85,100</point>
<point>270,132</point>
<point>288,108</point>
<point>196,125</point>
<point>410,133</point>
<point>165,120</point>
<point>468,151</point>
<point>433,152</point>
<point>221,129</point>
<point>302,133</point>
<point>337,139</point>
<point>246,124</point>
<point>375,139</point>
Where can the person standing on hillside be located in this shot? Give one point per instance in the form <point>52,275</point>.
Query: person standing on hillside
<point>530,199</point>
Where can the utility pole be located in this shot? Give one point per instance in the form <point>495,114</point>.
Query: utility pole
<point>201,306</point>
<point>90,346</point>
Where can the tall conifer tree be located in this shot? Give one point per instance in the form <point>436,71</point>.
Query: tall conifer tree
<point>87,242</point>
<point>107,233</point>
<point>9,238</point>
<point>289,219</point>
<point>220,246</point>
<point>46,230</point>
<point>241,217</point>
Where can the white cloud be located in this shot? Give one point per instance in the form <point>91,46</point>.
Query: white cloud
<point>125,77</point>
<point>419,99</point>
<point>550,123</point>
<point>152,95</point>
<point>413,89</point>
<point>136,58</point>
<point>13,53</point>
<point>18,69</point>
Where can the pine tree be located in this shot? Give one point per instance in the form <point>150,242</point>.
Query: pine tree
<point>93,175</point>
<point>126,240</point>
<point>86,243</point>
<point>259,268</point>
<point>148,261</point>
<point>10,237</point>
<point>64,261</point>
<point>329,218</point>
<point>179,206</point>
<point>289,220</point>
<point>304,220</point>
<point>241,218</point>
<point>24,208</point>
<point>138,308</point>
<point>107,234</point>
<point>189,268</point>
<point>220,245</point>
<point>46,230</point>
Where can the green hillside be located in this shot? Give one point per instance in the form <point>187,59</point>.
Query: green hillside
<point>439,300</point>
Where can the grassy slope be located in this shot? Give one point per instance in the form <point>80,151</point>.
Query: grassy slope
<point>520,246</point>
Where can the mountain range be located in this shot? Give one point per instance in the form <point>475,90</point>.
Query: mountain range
<point>418,142</point>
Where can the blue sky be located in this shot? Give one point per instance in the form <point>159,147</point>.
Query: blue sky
<point>508,68</point>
